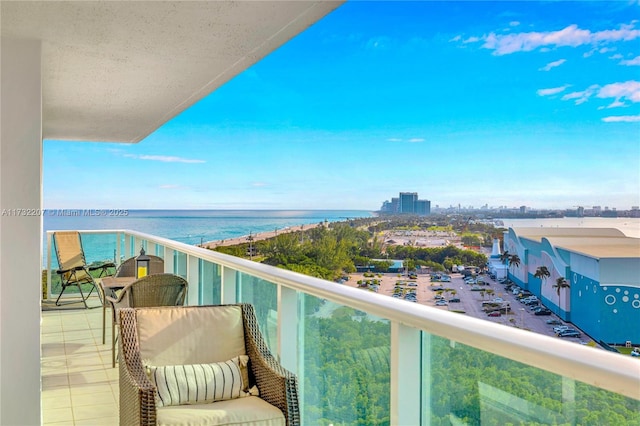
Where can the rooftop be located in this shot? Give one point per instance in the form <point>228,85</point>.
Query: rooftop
<point>600,243</point>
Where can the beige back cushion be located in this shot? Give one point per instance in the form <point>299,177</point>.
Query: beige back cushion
<point>190,334</point>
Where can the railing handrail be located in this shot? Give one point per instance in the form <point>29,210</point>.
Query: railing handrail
<point>598,368</point>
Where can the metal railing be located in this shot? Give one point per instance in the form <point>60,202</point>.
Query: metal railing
<point>411,327</point>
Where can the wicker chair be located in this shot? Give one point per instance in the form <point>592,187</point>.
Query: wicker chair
<point>152,290</point>
<point>126,269</point>
<point>193,335</point>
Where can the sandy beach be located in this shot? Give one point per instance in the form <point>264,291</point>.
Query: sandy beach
<point>258,236</point>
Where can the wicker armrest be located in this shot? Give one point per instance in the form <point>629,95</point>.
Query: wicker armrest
<point>137,393</point>
<point>277,386</point>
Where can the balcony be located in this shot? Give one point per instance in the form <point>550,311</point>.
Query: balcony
<point>361,358</point>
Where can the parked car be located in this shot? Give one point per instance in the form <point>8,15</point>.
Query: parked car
<point>569,333</point>
<point>454,300</point>
<point>560,328</point>
<point>476,288</point>
<point>544,311</point>
<point>554,322</point>
<point>494,314</point>
<point>441,303</point>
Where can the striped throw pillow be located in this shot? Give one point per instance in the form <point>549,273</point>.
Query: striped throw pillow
<point>201,383</point>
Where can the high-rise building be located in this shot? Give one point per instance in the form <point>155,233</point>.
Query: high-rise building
<point>423,207</point>
<point>408,202</point>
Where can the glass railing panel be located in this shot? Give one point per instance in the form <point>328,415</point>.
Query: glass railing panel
<point>159,251</point>
<point>463,385</point>
<point>344,365</point>
<point>210,283</point>
<point>263,295</point>
<point>180,263</point>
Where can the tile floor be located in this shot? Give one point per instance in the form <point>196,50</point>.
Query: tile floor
<point>79,387</point>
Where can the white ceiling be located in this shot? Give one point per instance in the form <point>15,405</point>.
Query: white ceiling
<point>116,71</point>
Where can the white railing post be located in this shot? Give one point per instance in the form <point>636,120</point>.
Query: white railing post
<point>405,380</point>
<point>168,260</point>
<point>229,285</point>
<point>49,253</point>
<point>137,244</point>
<point>288,328</point>
<point>193,278</point>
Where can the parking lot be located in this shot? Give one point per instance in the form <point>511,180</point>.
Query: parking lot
<point>470,300</point>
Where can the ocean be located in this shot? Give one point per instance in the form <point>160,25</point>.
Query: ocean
<point>196,226</point>
<point>187,226</point>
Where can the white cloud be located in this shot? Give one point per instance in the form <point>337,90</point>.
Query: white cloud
<point>620,92</point>
<point>631,62</point>
<point>552,90</point>
<point>169,186</point>
<point>456,38</point>
<point>410,140</point>
<point>472,40</point>
<point>581,96</point>
<point>629,90</point>
<point>616,104</point>
<point>616,56</point>
<point>553,65</point>
<point>514,23</point>
<point>381,42</point>
<point>607,50</point>
<point>164,158</point>
<point>622,119</point>
<point>570,36</point>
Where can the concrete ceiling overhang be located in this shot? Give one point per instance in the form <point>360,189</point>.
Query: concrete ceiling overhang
<point>116,71</point>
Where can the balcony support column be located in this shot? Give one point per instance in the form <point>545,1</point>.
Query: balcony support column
<point>288,328</point>
<point>405,375</point>
<point>20,231</point>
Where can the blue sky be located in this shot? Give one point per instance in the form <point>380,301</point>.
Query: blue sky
<point>497,103</point>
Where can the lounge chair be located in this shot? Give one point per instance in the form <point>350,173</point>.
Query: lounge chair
<point>72,265</point>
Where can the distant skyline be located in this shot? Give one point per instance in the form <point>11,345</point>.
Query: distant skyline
<point>498,103</point>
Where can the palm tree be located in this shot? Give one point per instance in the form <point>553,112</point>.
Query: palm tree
<point>542,273</point>
<point>514,260</point>
<point>504,257</point>
<point>560,284</point>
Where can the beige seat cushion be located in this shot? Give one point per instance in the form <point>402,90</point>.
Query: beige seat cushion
<point>190,335</point>
<point>249,411</point>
